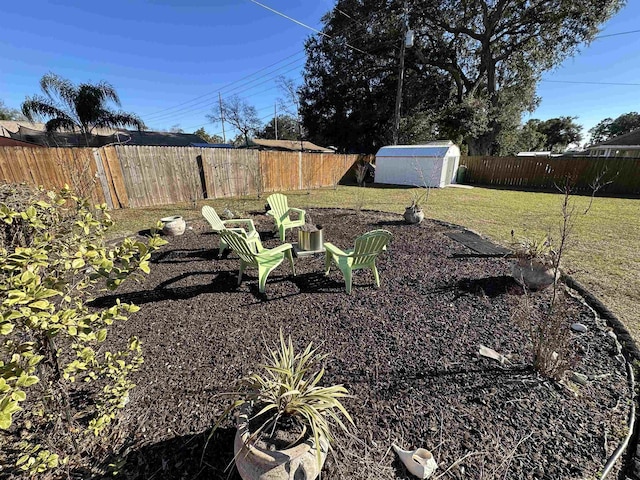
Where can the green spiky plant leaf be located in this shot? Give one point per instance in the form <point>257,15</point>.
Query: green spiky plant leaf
<point>288,387</point>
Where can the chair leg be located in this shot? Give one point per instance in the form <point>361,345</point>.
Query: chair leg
<point>263,273</point>
<point>348,279</point>
<point>221,247</point>
<point>290,258</point>
<point>327,263</point>
<point>242,267</point>
<point>283,233</point>
<point>375,275</point>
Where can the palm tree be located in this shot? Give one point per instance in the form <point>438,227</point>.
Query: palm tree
<point>80,108</point>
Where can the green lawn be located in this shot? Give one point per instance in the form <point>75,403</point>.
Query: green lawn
<point>603,254</point>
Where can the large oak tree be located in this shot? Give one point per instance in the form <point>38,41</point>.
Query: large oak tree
<point>488,53</point>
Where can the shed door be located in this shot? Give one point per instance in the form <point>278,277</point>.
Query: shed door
<point>451,163</point>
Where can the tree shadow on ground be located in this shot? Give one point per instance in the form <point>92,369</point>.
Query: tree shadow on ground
<point>317,282</point>
<point>490,286</point>
<point>392,223</point>
<point>182,457</point>
<point>483,287</point>
<point>224,281</point>
<point>179,256</point>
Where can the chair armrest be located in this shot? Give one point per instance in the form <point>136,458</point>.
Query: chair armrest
<point>239,230</point>
<point>246,221</point>
<point>298,211</point>
<point>331,248</point>
<point>270,212</point>
<point>273,251</point>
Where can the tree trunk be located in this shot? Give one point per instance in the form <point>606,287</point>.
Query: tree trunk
<point>481,145</point>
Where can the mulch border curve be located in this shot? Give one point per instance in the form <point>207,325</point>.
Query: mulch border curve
<point>631,469</point>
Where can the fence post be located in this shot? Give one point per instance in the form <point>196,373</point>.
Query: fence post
<point>300,170</point>
<point>102,176</point>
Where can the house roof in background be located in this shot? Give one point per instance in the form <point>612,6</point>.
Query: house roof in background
<point>628,139</point>
<point>10,142</point>
<point>290,145</point>
<point>36,133</point>
<point>212,145</point>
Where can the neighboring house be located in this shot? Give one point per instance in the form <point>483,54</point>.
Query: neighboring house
<point>534,154</point>
<point>627,145</point>
<point>10,142</point>
<point>35,133</point>
<point>212,145</point>
<point>288,146</point>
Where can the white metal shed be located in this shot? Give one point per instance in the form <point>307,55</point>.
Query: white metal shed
<point>432,164</point>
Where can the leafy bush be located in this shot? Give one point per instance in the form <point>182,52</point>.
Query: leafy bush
<point>51,259</point>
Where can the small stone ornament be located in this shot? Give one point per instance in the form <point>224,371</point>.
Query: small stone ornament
<point>419,462</point>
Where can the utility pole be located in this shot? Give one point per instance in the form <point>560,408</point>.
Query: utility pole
<point>275,118</point>
<point>224,138</point>
<point>403,45</point>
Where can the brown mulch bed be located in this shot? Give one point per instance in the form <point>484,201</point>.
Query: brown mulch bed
<point>406,351</point>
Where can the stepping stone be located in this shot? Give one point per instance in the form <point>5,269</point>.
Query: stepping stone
<point>475,242</point>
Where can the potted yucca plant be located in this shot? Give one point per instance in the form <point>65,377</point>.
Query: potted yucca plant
<point>285,416</point>
<point>535,262</point>
<point>413,213</point>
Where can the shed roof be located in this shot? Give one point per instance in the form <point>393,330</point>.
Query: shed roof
<point>429,149</point>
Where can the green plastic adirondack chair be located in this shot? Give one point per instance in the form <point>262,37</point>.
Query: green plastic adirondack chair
<point>363,255</point>
<point>279,210</point>
<point>217,225</point>
<point>265,260</point>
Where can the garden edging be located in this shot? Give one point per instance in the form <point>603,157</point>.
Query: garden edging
<point>632,354</point>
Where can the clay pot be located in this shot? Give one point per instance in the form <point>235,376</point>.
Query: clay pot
<point>173,226</point>
<point>532,274</point>
<point>413,215</point>
<point>254,463</point>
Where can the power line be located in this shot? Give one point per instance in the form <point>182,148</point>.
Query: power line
<point>198,105</point>
<point>195,127</point>
<point>304,25</point>
<point>235,91</point>
<point>616,34</point>
<point>227,85</point>
<point>593,83</point>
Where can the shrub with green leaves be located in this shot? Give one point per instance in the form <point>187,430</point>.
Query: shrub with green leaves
<point>52,259</point>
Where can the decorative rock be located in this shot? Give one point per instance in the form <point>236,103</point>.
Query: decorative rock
<point>578,327</point>
<point>612,334</point>
<point>579,378</point>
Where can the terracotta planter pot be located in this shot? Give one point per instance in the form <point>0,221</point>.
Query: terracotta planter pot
<point>413,215</point>
<point>173,226</point>
<point>534,275</point>
<point>294,463</point>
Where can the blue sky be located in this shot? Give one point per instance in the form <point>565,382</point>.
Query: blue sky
<point>168,59</point>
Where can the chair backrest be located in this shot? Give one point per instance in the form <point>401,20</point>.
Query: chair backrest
<point>212,217</point>
<point>279,204</point>
<point>369,245</point>
<point>239,244</point>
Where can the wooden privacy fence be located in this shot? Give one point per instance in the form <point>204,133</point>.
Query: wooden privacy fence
<point>142,176</point>
<point>545,173</point>
<point>52,168</point>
